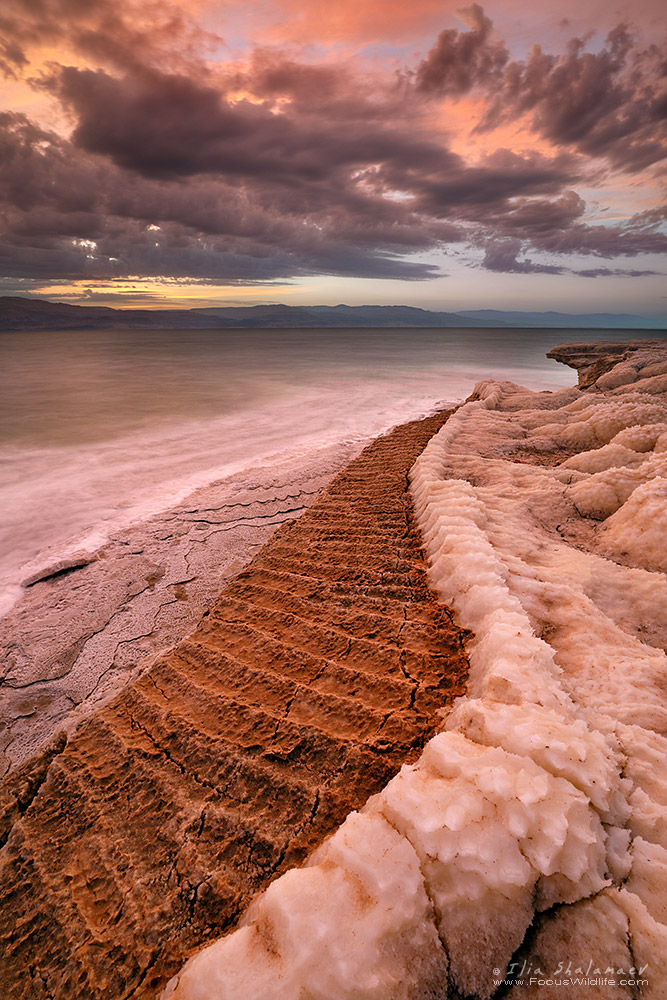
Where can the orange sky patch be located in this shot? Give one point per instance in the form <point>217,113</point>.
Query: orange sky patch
<point>395,22</point>
<point>459,118</point>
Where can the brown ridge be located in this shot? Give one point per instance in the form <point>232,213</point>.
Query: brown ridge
<point>317,673</point>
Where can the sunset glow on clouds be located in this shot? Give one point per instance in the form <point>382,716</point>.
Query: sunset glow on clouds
<point>189,152</point>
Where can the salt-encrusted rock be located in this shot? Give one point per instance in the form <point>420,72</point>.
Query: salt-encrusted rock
<point>593,361</point>
<point>385,945</point>
<point>637,529</point>
<point>546,787</point>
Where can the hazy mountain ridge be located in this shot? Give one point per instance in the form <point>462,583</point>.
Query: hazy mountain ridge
<point>37,314</point>
<point>17,313</point>
<point>33,314</point>
<point>620,321</point>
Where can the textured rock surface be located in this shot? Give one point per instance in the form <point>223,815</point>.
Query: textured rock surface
<point>592,360</point>
<point>316,674</point>
<point>536,818</point>
<point>85,627</point>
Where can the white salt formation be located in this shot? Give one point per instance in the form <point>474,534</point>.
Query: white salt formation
<point>544,517</point>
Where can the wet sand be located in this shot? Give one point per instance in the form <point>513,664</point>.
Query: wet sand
<point>320,669</point>
<point>86,626</point>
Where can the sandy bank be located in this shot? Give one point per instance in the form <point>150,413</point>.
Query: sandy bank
<point>320,669</point>
<point>85,627</point>
<point>528,833</point>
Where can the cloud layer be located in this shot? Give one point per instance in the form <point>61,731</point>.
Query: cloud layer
<point>183,159</point>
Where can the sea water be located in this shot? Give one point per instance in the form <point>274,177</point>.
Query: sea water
<point>100,429</point>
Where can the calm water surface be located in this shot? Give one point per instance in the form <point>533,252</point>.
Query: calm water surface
<point>101,428</point>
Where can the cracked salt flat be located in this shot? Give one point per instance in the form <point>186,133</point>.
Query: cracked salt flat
<point>74,640</point>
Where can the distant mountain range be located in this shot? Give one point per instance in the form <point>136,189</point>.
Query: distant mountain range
<point>18,313</point>
<point>619,321</point>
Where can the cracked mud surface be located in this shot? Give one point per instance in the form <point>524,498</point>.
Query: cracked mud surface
<point>86,626</point>
<point>317,672</point>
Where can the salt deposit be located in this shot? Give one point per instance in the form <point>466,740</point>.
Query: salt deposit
<point>544,518</point>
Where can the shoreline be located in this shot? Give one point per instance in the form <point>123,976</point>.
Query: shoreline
<point>180,781</point>
<point>319,670</point>
<point>86,625</point>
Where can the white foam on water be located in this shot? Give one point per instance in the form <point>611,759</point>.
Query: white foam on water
<point>55,502</point>
<point>102,429</point>
<point>62,499</point>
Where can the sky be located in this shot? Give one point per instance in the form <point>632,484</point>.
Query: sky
<point>507,156</point>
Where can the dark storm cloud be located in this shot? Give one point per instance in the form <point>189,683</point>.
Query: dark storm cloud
<point>628,239</point>
<point>161,124</point>
<point>130,35</point>
<point>607,103</point>
<point>56,261</point>
<point>12,57</point>
<point>73,213</point>
<point>501,255</point>
<point>461,60</point>
<point>56,203</point>
<point>171,171</point>
<point>610,103</point>
<point>308,87</point>
<point>615,272</point>
<point>487,188</point>
<point>537,216</point>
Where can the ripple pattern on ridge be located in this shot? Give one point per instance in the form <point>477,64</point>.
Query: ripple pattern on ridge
<point>317,673</point>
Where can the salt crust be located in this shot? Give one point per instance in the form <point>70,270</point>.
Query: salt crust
<point>547,785</point>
